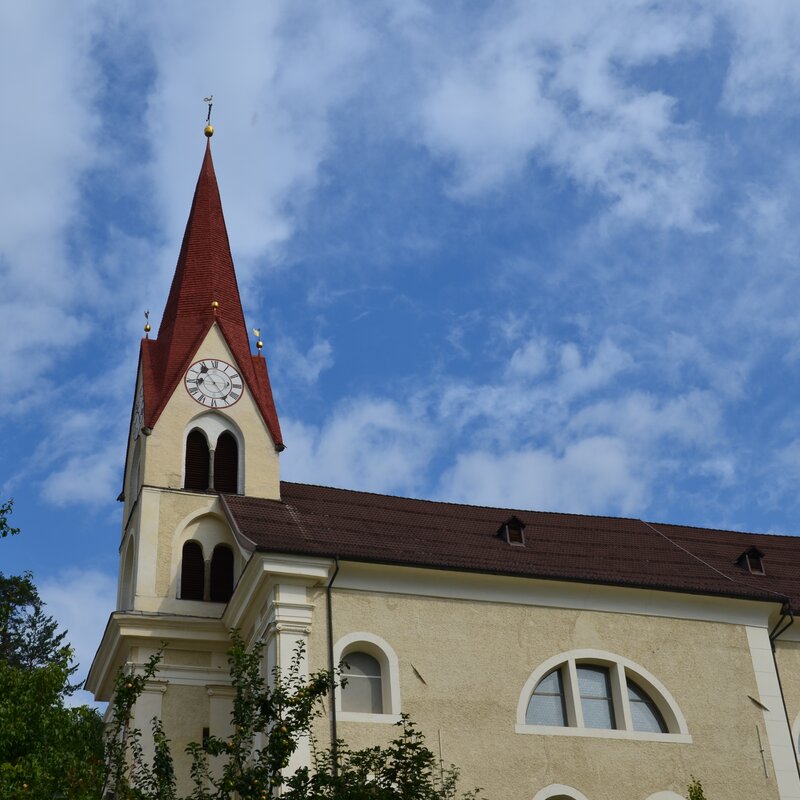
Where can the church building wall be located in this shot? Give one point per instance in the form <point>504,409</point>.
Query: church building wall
<point>463,664</point>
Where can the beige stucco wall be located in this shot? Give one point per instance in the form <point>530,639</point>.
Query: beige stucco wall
<point>475,658</point>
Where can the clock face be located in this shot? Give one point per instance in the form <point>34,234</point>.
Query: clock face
<point>213,383</point>
<point>138,415</point>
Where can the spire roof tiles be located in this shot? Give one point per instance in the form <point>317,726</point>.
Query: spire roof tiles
<point>204,274</point>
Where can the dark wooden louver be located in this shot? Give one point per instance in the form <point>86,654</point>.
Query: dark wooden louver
<point>197,462</point>
<point>226,464</point>
<point>192,572</point>
<point>221,574</point>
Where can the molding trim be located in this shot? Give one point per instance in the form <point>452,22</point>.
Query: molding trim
<point>544,592</point>
<point>601,733</point>
<point>380,649</point>
<point>620,668</point>
<point>782,747</point>
<point>136,629</point>
<point>558,790</point>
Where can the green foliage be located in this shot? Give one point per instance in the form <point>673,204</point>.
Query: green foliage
<point>128,775</point>
<point>46,749</point>
<point>29,638</point>
<point>406,769</point>
<point>5,526</point>
<point>695,790</point>
<point>269,719</point>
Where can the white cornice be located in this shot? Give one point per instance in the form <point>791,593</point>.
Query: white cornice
<point>478,587</point>
<point>128,629</point>
<point>262,572</point>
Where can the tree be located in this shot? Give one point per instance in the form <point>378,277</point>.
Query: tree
<point>406,769</point>
<point>280,712</point>
<point>47,750</point>
<point>695,790</point>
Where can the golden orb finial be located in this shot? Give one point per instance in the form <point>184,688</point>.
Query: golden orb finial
<point>147,324</point>
<point>259,343</point>
<point>215,304</point>
<point>208,131</point>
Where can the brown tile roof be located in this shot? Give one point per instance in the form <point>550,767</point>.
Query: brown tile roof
<point>360,526</point>
<point>204,273</point>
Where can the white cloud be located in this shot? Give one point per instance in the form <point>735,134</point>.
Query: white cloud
<point>764,69</point>
<point>292,364</point>
<point>277,71</point>
<point>81,601</point>
<point>91,479</point>
<point>370,444</point>
<point>645,420</point>
<point>591,475</point>
<point>550,81</point>
<point>47,146</point>
<point>529,360</point>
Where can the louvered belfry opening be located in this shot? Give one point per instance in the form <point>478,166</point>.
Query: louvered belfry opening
<point>192,572</point>
<point>221,574</point>
<point>226,464</point>
<point>197,462</point>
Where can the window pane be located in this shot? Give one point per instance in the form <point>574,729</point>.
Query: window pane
<point>546,706</point>
<point>362,694</point>
<point>595,689</point>
<point>644,712</point>
<point>363,691</point>
<point>362,664</point>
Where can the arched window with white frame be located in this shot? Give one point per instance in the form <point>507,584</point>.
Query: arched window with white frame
<point>595,693</point>
<point>371,678</point>
<point>558,791</point>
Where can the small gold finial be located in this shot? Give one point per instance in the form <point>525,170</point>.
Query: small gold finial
<point>209,129</point>
<point>147,324</point>
<point>215,304</point>
<point>259,343</point>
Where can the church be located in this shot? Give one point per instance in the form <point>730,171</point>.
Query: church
<point>550,656</point>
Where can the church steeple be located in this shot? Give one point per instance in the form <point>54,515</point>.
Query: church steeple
<point>204,292</point>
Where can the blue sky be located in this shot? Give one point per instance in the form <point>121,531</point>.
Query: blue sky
<point>542,255</point>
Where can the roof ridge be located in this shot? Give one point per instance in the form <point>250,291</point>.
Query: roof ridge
<point>504,509</point>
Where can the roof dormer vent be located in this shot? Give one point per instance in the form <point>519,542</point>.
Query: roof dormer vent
<point>753,561</point>
<point>513,531</point>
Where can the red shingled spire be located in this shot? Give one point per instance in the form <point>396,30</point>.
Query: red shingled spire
<point>204,276</point>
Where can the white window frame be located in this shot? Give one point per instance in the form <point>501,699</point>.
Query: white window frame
<point>620,669</point>
<point>381,650</point>
<point>559,790</point>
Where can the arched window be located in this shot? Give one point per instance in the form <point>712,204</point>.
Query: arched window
<point>192,572</point>
<point>593,693</point>
<point>596,702</point>
<point>363,687</point>
<point>372,691</point>
<point>645,715</point>
<point>196,470</point>
<point>221,581</point>
<point>557,791</point>
<point>226,464</point>
<point>547,706</point>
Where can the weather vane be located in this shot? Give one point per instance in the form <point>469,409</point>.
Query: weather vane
<point>147,324</point>
<point>259,343</point>
<point>209,129</point>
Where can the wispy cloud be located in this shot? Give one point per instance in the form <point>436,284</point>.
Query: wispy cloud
<point>69,597</point>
